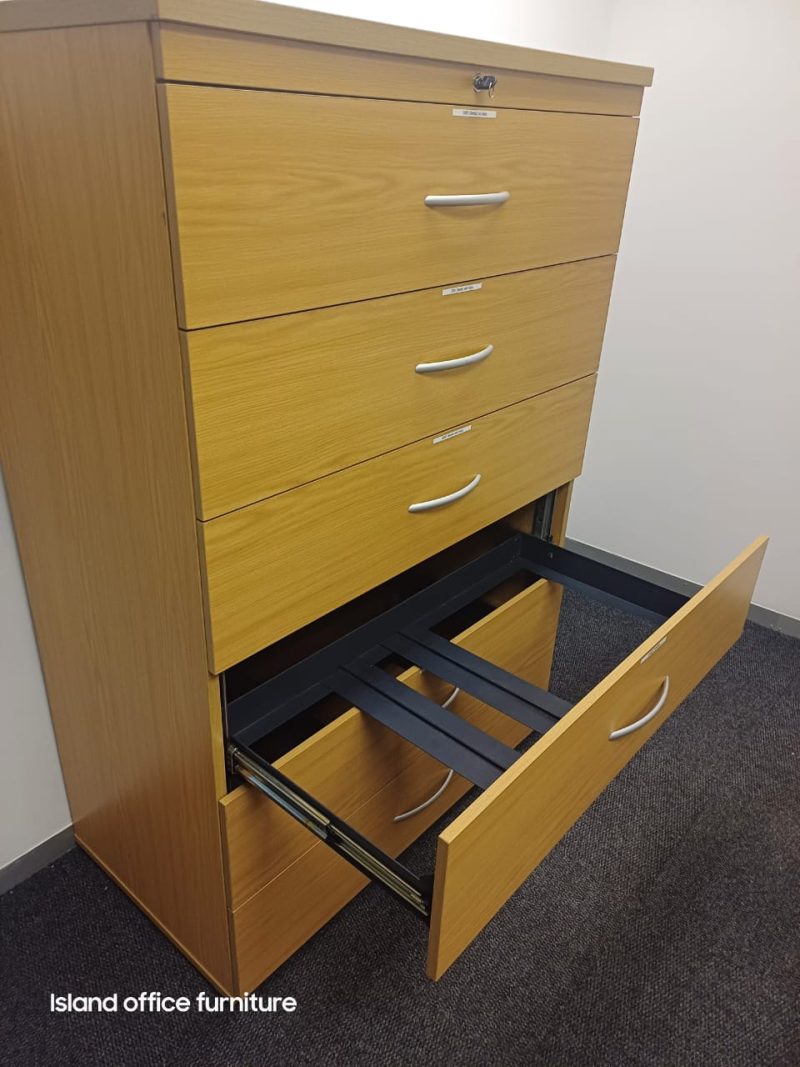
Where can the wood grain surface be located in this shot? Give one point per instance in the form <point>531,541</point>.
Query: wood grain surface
<point>286,201</point>
<point>195,54</point>
<point>96,463</point>
<point>282,401</point>
<point>274,566</point>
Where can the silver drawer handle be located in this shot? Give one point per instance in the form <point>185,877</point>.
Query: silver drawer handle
<point>467,199</point>
<point>431,800</point>
<point>426,803</point>
<point>452,364</point>
<point>625,730</point>
<point>440,501</point>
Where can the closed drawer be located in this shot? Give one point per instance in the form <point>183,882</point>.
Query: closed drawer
<point>282,401</point>
<point>355,760</point>
<point>190,54</point>
<point>491,847</point>
<point>284,202</point>
<point>274,566</point>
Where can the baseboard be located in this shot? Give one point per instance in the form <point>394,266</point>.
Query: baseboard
<point>40,856</point>
<point>773,620</point>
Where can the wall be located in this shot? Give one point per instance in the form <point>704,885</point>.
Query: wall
<point>576,26</point>
<point>33,806</point>
<point>695,436</point>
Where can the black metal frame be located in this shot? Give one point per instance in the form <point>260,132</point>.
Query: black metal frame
<point>350,667</point>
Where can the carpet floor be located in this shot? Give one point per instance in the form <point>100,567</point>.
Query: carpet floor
<point>663,930</point>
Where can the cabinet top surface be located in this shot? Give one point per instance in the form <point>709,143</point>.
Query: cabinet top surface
<point>275,20</point>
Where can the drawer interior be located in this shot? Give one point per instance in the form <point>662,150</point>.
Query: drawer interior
<point>368,774</point>
<point>529,800</point>
<point>282,739</point>
<point>288,685</point>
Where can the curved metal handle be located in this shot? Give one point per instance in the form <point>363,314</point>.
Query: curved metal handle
<point>659,704</point>
<point>426,803</point>
<point>467,199</point>
<point>432,799</point>
<point>440,501</point>
<point>452,364</point>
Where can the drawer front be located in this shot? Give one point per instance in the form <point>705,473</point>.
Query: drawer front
<point>516,822</point>
<point>282,401</point>
<point>284,202</point>
<point>190,54</point>
<point>274,566</point>
<point>284,883</point>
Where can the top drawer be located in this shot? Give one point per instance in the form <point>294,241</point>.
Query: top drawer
<point>284,201</point>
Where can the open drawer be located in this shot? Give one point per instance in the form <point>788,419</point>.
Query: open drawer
<point>529,800</point>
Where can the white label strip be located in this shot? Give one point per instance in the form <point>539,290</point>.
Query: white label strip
<point>462,289</point>
<point>654,649</point>
<point>473,113</point>
<point>452,433</point>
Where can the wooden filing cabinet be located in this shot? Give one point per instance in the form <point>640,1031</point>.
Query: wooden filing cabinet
<point>301,321</point>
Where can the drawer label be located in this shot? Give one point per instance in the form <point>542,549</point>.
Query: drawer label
<point>473,113</point>
<point>452,433</point>
<point>462,288</point>
<point>653,650</point>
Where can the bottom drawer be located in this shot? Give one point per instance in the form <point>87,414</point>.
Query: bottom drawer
<point>489,850</point>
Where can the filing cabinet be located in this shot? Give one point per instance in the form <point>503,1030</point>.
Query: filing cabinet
<point>302,321</point>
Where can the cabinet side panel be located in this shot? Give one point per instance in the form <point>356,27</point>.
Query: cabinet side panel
<point>96,462</point>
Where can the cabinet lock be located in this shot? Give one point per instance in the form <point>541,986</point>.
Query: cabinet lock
<point>484,83</point>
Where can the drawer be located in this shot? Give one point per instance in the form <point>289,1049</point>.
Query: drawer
<point>355,760</point>
<point>189,54</point>
<point>282,401</point>
<point>274,566</point>
<point>512,826</point>
<point>485,854</point>
<point>285,201</point>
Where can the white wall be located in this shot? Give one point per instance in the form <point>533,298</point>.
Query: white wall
<point>33,805</point>
<point>576,26</point>
<point>695,432</point>
<point>695,439</point>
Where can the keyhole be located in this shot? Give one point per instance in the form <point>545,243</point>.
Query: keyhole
<point>484,83</point>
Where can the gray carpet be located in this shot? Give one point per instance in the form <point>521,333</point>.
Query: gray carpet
<point>663,930</point>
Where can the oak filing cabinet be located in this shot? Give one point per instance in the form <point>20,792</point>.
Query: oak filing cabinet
<point>301,323</point>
